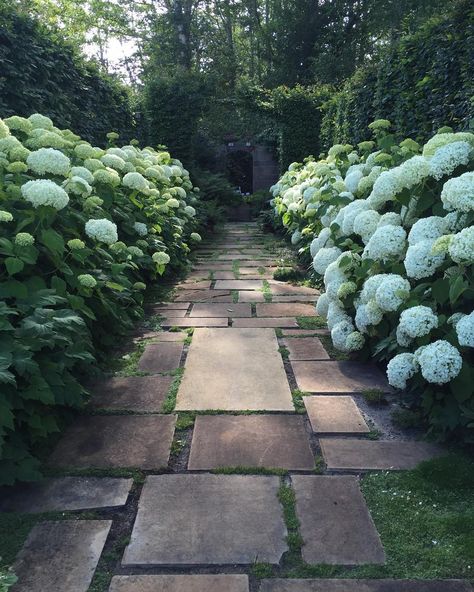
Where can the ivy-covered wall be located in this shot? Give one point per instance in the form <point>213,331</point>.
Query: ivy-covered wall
<point>40,73</point>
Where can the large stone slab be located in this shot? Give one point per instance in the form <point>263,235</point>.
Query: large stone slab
<point>160,306</point>
<point>350,585</point>
<point>224,275</point>
<point>294,298</point>
<point>195,285</point>
<point>138,441</point>
<point>184,583</point>
<point>271,441</point>
<point>283,309</point>
<point>247,296</point>
<point>309,348</point>
<point>338,377</point>
<point>161,357</point>
<point>209,266</point>
<point>60,556</point>
<point>201,295</point>
<point>280,288</point>
<point>265,322</point>
<point>234,369</point>
<point>304,332</point>
<point>335,415</point>
<point>212,310</point>
<point>65,493</point>
<point>239,284</point>
<point>207,519</point>
<point>161,335</point>
<point>169,313</point>
<point>335,523</point>
<point>360,455</point>
<point>197,322</point>
<point>132,393</point>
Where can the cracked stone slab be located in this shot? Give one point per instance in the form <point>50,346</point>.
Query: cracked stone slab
<point>336,525</point>
<point>350,585</point>
<point>60,556</point>
<point>234,370</point>
<point>338,377</point>
<point>197,322</point>
<point>62,494</point>
<point>309,348</point>
<point>170,313</point>
<point>335,415</point>
<point>161,357</point>
<point>265,322</point>
<point>181,583</point>
<point>219,520</point>
<point>116,441</point>
<point>239,284</point>
<point>133,393</point>
<point>270,441</point>
<point>211,310</point>
<point>360,455</point>
<point>283,309</point>
<point>201,295</point>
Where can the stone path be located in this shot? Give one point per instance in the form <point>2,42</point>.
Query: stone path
<point>202,510</point>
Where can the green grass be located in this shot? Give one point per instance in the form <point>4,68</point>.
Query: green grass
<point>127,364</point>
<point>135,474</point>
<point>106,567</point>
<point>236,268</point>
<point>286,495</point>
<point>235,296</point>
<point>170,401</point>
<point>311,323</point>
<point>267,293</point>
<point>185,421</point>
<point>297,397</point>
<point>374,397</point>
<point>285,354</point>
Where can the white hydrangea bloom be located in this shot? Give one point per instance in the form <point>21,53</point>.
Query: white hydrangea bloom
<point>420,262</point>
<point>102,230</point>
<point>353,177</point>
<point>349,214</point>
<point>449,157</point>
<point>134,181</point>
<point>461,246</point>
<point>371,286</point>
<point>403,339</point>
<point>48,160</point>
<point>418,321</point>
<point>400,369</point>
<point>387,242</point>
<point>373,312</point>
<point>309,194</point>
<point>365,224</point>
<point>336,315</point>
<point>295,237</point>
<point>190,211</point>
<point>334,277</point>
<point>43,192</point>
<point>465,330</point>
<point>113,162</point>
<point>440,362</point>
<point>124,155</point>
<point>322,305</point>
<point>390,219</point>
<point>78,186</point>
<point>324,257</point>
<point>413,171</point>
<point>392,292</point>
<point>385,188</point>
<point>458,193</point>
<point>340,332</point>
<point>429,228</point>
<point>79,171</point>
<point>329,217</point>
<point>361,318</point>
<point>355,341</point>
<point>140,228</point>
<point>439,140</point>
<point>455,318</point>
<point>455,221</point>
<point>346,289</point>
<point>39,121</point>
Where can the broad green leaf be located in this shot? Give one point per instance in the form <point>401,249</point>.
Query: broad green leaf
<point>14,265</point>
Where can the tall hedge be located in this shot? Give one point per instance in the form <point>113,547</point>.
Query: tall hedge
<point>40,73</point>
<point>421,83</point>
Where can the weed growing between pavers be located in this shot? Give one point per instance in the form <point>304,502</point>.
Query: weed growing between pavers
<point>189,338</point>
<point>170,401</point>
<point>285,354</point>
<point>267,293</point>
<point>106,566</point>
<point>374,397</point>
<point>236,268</point>
<point>241,470</point>
<point>185,421</point>
<point>261,270</point>
<point>235,296</point>
<point>297,397</point>
<point>289,274</point>
<point>137,475</point>
<point>311,323</point>
<point>286,495</point>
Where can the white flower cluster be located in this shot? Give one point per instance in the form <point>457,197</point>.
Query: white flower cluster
<point>43,192</point>
<point>140,228</point>
<point>392,292</point>
<point>461,246</point>
<point>447,158</point>
<point>465,330</point>
<point>102,230</point>
<point>324,257</point>
<point>387,242</point>
<point>458,193</point>
<point>417,321</point>
<point>400,369</point>
<point>48,160</point>
<point>439,362</point>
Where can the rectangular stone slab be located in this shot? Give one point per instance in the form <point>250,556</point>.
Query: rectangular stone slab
<point>193,285</point>
<point>283,309</point>
<point>266,322</point>
<point>309,348</point>
<point>161,357</point>
<point>133,393</point>
<point>234,369</point>
<point>271,441</point>
<point>162,335</point>
<point>224,275</point>
<point>335,523</point>
<point>201,295</point>
<point>196,322</point>
<point>169,314</point>
<point>350,585</point>
<point>304,332</point>
<point>207,520</point>
<point>280,288</point>
<point>335,415</point>
<point>65,493</point>
<point>170,306</point>
<point>249,296</point>
<point>60,556</point>
<point>239,284</point>
<point>338,377</point>
<point>211,310</point>
<point>360,455</point>
<point>115,441</point>
<point>294,298</point>
<point>185,583</point>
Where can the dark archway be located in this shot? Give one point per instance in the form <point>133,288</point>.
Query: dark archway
<point>239,165</point>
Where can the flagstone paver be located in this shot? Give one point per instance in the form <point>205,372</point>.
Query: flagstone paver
<point>308,298</point>
<point>65,493</point>
<point>196,322</point>
<point>351,585</point>
<point>360,455</point>
<point>338,377</point>
<point>336,526</point>
<point>296,309</point>
<point>271,441</point>
<point>139,441</point>
<point>60,556</point>
<point>280,288</point>
<point>203,285</point>
<point>309,348</point>
<point>161,357</point>
<point>221,310</point>
<point>170,306</point>
<point>304,332</point>
<point>133,393</point>
<point>224,275</point>
<point>335,415</point>
<point>201,295</point>
<point>182,583</point>
<point>243,284</point>
<point>248,296</point>
<point>234,369</point>
<point>207,520</point>
<point>171,314</point>
<point>265,322</point>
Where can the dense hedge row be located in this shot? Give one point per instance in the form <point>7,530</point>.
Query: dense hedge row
<point>44,74</point>
<point>390,229</point>
<point>82,230</point>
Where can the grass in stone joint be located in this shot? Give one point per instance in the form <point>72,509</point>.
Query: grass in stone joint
<point>374,397</point>
<point>285,354</point>
<point>236,268</point>
<point>106,567</point>
<point>170,401</point>
<point>261,270</point>
<point>185,421</point>
<point>267,293</point>
<point>125,473</point>
<point>298,403</point>
<point>311,323</point>
<point>127,364</point>
<point>241,470</point>
<point>235,296</point>
<point>286,495</point>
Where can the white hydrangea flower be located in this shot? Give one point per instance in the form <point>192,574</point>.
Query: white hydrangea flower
<point>43,192</point>
<point>440,140</point>
<point>440,362</point>
<point>400,369</point>
<point>78,186</point>
<point>403,339</point>
<point>309,194</point>
<point>324,258</point>
<point>447,158</point>
<point>194,236</point>
<point>39,121</point>
<point>365,224</point>
<point>361,318</point>
<point>373,312</point>
<point>334,277</point>
<point>349,214</point>
<point>458,193</point>
<point>413,171</point>
<point>455,221</point>
<point>140,228</point>
<point>390,219</point>
<point>336,315</point>
<point>355,341</point>
<point>371,286</point>
<point>340,332</point>
<point>134,181</point>
<point>455,318</point>
<point>429,228</point>
<point>79,171</point>
<point>387,242</point>
<point>392,292</point>
<point>135,251</point>
<point>190,211</point>
<point>322,240</point>
<point>113,162</point>
<point>295,237</point>
<point>418,321</point>
<point>322,305</point>
<point>461,246</point>
<point>329,217</point>
<point>385,188</point>
<point>172,203</point>
<point>346,289</point>
<point>353,177</point>
<point>465,330</point>
<point>48,160</point>
<point>161,258</point>
<point>420,262</point>
<point>102,230</point>
<point>119,152</point>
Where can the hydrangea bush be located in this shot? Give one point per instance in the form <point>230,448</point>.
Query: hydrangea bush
<point>390,230</point>
<point>82,231</point>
